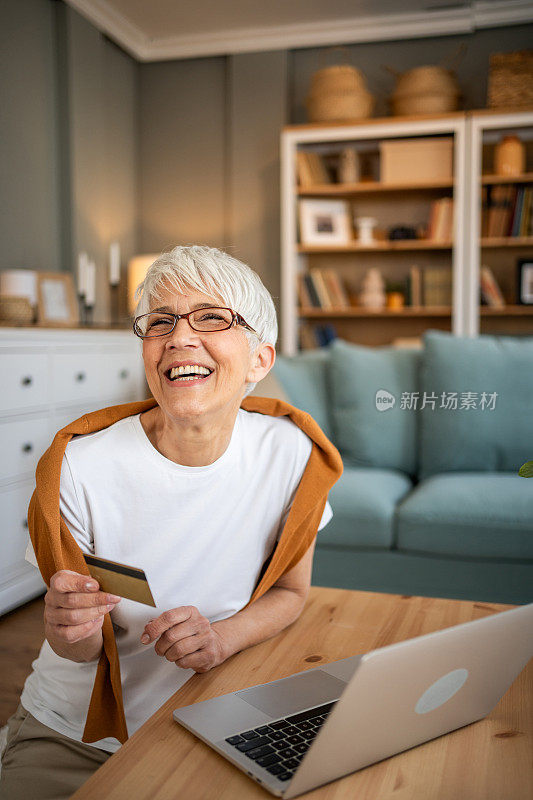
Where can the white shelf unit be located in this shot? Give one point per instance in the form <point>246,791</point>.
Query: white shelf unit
<point>293,262</point>
<point>483,128</point>
<point>50,378</point>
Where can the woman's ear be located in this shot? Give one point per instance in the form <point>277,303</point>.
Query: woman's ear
<point>262,362</point>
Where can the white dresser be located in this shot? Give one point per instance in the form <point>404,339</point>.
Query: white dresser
<point>50,377</point>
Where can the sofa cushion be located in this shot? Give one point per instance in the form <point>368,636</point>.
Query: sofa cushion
<point>493,435</point>
<point>363,503</point>
<point>304,379</point>
<point>482,515</point>
<point>366,435</point>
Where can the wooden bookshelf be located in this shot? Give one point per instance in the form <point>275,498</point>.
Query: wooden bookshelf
<point>527,177</point>
<point>507,241</point>
<point>378,247</point>
<point>475,135</point>
<point>369,187</point>
<point>506,311</point>
<point>407,311</point>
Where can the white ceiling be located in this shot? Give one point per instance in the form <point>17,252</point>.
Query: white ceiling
<point>153,30</point>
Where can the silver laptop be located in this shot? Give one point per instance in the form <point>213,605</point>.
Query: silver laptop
<point>297,733</point>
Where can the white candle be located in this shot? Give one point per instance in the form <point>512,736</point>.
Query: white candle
<point>82,273</point>
<point>114,263</point>
<point>90,283</point>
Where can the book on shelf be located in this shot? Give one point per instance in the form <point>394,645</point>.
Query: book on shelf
<point>506,211</point>
<point>304,297</point>
<point>336,289</point>
<point>311,169</point>
<point>526,223</point>
<point>490,292</point>
<point>325,334</point>
<point>437,286</point>
<point>414,287</point>
<point>313,336</point>
<point>322,288</point>
<point>309,287</point>
<point>440,225</point>
<point>306,336</point>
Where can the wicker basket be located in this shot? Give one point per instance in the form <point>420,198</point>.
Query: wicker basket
<point>511,80</point>
<point>17,310</point>
<point>425,90</point>
<point>338,93</point>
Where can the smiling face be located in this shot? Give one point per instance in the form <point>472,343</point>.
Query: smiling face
<point>226,353</point>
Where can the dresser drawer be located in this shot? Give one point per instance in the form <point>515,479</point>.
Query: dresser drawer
<point>14,515</point>
<point>24,380</point>
<point>64,416</point>
<point>121,376</point>
<point>23,443</point>
<point>76,376</point>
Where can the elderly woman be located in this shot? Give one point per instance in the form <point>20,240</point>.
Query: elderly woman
<point>195,490</point>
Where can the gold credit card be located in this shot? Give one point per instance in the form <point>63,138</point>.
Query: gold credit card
<point>120,579</point>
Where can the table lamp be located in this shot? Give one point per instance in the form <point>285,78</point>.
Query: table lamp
<point>137,269</point>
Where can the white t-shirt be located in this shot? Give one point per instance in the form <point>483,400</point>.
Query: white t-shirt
<point>201,534</point>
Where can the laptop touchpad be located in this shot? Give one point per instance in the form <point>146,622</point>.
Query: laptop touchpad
<point>292,694</point>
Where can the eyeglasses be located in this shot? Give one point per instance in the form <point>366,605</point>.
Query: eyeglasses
<point>205,320</point>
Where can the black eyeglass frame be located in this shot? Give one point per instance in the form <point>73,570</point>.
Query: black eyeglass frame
<point>236,319</point>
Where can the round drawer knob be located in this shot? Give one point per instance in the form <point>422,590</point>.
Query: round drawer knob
<point>27,380</point>
<point>124,373</point>
<point>27,448</point>
<point>80,376</point>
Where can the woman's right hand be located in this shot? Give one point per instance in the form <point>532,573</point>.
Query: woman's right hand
<point>73,611</point>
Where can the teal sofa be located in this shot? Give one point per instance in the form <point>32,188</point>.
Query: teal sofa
<point>430,502</point>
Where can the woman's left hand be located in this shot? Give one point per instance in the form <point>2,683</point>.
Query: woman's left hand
<point>187,638</point>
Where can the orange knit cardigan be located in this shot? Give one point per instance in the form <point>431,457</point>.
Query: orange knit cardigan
<point>55,547</point>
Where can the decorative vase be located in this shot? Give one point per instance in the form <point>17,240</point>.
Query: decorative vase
<point>365,230</point>
<point>373,290</point>
<point>509,156</point>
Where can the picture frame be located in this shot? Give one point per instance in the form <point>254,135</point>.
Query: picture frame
<point>325,222</point>
<point>525,281</point>
<point>56,300</point>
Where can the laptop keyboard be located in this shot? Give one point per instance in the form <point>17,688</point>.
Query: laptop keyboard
<point>280,746</point>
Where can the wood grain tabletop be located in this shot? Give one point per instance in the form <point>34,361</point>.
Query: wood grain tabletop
<point>491,758</point>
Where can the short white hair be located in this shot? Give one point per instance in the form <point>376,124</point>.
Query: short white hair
<point>215,273</point>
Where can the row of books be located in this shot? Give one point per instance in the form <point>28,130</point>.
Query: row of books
<point>506,210</point>
<point>489,290</point>
<point>311,169</point>
<point>428,286</point>
<point>313,336</point>
<point>424,286</point>
<point>322,288</point>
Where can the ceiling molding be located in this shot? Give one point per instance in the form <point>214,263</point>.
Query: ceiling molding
<point>445,22</point>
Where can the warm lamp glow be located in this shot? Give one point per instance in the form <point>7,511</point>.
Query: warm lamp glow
<point>137,269</point>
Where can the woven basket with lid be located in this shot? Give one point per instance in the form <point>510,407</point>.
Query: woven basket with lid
<point>425,90</point>
<point>17,310</point>
<point>338,93</point>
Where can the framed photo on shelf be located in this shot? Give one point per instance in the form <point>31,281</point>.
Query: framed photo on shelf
<point>325,222</point>
<point>56,300</point>
<point>525,281</point>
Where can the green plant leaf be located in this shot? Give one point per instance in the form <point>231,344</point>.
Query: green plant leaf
<point>526,470</point>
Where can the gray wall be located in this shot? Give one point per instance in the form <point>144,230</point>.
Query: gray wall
<point>100,132</point>
<point>182,113</point>
<point>29,190</point>
<point>68,161</point>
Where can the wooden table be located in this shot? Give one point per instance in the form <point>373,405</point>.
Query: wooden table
<point>487,759</point>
